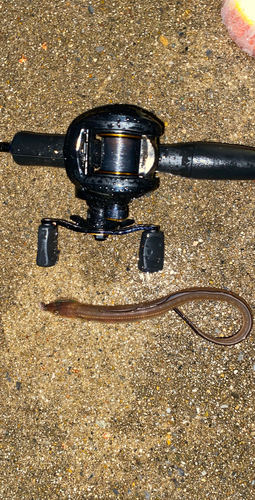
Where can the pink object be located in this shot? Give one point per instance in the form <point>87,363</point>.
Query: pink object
<point>239,19</point>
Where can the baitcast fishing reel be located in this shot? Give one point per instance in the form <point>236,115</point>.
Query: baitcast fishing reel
<point>112,154</point>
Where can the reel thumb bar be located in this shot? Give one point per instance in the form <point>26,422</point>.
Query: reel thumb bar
<point>207,160</point>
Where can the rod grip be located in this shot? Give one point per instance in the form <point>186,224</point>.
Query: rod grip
<point>208,160</point>
<point>45,150</point>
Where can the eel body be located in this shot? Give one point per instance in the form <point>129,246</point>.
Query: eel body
<point>145,310</point>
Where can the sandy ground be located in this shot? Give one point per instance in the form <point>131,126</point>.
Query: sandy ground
<point>146,410</point>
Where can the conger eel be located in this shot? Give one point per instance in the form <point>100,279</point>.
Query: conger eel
<point>145,310</point>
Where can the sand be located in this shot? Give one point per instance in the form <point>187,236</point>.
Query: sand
<point>146,410</point>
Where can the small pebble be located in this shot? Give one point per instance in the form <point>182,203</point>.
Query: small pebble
<point>180,471</point>
<point>163,40</point>
<point>101,423</point>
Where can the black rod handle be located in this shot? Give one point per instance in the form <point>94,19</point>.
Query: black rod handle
<point>5,147</point>
<point>208,160</point>
<point>45,150</point>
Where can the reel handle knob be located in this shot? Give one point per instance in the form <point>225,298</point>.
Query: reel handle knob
<point>47,250</point>
<point>151,254</point>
